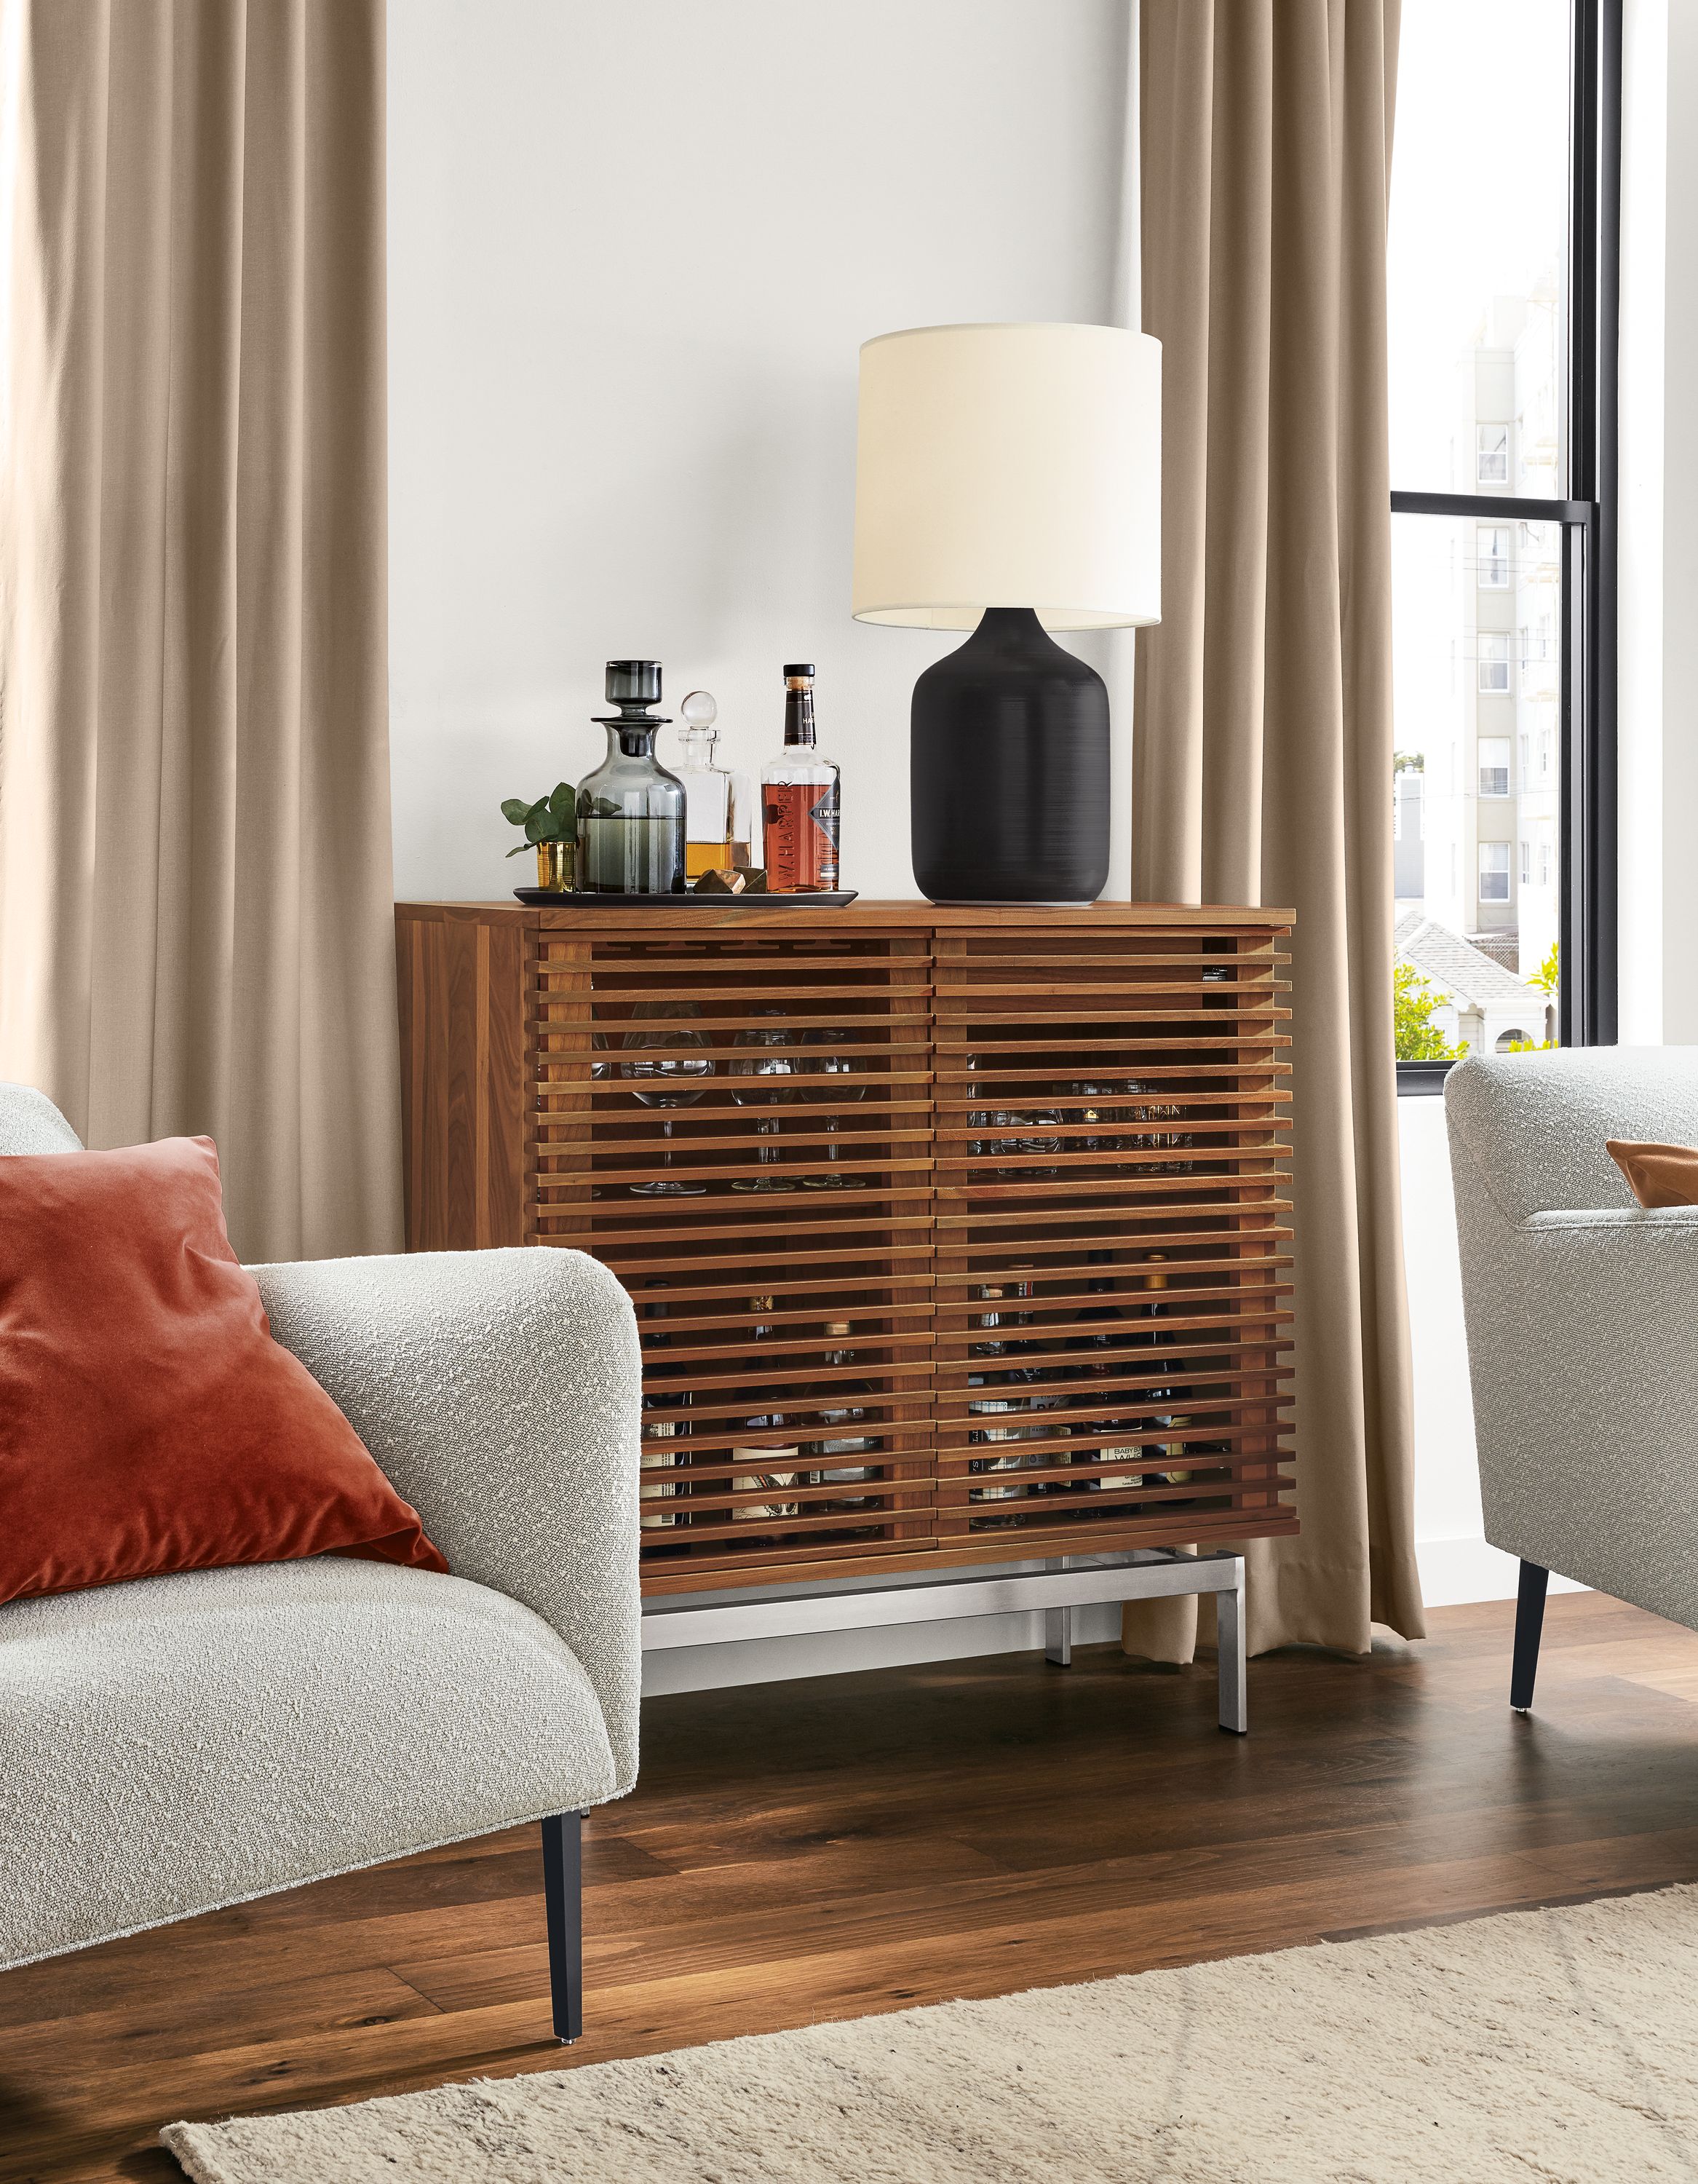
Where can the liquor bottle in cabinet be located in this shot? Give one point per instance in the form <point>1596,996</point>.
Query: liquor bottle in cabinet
<point>800,795</point>
<point>660,1435</point>
<point>1107,1324</point>
<point>1167,1425</point>
<point>776,1468</point>
<point>719,823</point>
<point>844,1418</point>
<point>1001,1388</point>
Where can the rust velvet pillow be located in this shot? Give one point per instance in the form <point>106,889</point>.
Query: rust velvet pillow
<point>148,1423</point>
<point>1657,1175</point>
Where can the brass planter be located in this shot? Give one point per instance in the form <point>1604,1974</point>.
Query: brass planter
<point>554,866</point>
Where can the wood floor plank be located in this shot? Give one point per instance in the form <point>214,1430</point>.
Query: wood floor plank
<point>808,1851</point>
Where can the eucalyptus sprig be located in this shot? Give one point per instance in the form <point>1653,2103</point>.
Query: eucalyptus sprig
<point>549,819</point>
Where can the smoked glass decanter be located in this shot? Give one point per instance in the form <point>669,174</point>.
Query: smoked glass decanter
<point>630,811</point>
<point>720,825</point>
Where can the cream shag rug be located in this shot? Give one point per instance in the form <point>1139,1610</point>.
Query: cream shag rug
<point>1544,2045</point>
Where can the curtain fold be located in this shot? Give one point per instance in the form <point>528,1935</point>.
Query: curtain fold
<point>195,929</point>
<point>1261,760</point>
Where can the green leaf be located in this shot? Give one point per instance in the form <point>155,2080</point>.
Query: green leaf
<point>542,825</point>
<point>515,810</point>
<point>563,803</point>
<point>520,850</point>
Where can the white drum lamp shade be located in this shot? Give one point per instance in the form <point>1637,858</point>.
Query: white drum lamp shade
<point>1009,466</point>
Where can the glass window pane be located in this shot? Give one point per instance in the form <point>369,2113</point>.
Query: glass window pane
<point>1477,851</point>
<point>1478,278</point>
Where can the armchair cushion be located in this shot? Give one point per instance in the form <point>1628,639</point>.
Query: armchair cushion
<point>148,1423</point>
<point>185,1742</point>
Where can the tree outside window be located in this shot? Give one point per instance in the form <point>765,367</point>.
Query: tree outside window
<point>1414,1005</point>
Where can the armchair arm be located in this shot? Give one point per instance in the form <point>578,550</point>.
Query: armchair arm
<point>1582,1345</point>
<point>500,1391</point>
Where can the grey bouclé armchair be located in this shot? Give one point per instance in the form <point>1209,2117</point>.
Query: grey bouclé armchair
<point>182,1743</point>
<point>1582,1312</point>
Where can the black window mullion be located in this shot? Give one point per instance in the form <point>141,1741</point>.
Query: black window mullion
<point>1574,995</point>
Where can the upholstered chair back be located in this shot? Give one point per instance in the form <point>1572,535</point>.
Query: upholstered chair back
<point>31,1123</point>
<point>1535,1125</point>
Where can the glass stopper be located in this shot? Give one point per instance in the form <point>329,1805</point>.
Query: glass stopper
<point>698,709</point>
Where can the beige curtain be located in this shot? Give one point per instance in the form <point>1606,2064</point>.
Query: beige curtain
<point>1262,744</point>
<point>195,923</point>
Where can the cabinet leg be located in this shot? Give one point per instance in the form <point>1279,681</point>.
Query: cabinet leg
<point>1058,1636</point>
<point>1234,1674</point>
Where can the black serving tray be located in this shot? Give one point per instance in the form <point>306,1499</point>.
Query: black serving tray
<point>559,899</point>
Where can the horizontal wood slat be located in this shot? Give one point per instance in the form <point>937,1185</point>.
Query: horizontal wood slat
<point>951,1237</point>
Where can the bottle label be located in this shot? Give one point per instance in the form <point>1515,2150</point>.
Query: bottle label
<point>802,824</point>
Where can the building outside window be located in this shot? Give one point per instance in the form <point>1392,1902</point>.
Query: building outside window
<point>1494,765</point>
<point>1526,861</point>
<point>1491,560</point>
<point>1495,871</point>
<point>1491,457</point>
<point>1493,656</point>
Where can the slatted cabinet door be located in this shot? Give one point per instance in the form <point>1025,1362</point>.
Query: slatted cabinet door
<point>954,1236</point>
<point>739,1126</point>
<point>1111,1240</point>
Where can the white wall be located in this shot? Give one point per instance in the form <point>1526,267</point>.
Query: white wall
<point>633,248</point>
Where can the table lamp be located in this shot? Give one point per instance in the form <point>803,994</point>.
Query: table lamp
<point>1008,482</point>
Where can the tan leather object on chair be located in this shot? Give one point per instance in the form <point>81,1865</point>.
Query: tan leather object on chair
<point>1657,1175</point>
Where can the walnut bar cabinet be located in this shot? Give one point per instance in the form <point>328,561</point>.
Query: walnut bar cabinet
<point>956,1237</point>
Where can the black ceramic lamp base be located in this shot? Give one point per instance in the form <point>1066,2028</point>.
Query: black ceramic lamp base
<point>1010,770</point>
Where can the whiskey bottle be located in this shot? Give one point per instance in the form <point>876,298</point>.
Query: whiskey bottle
<point>772,1468</point>
<point>720,819</point>
<point>660,1435</point>
<point>1161,1398</point>
<point>843,1416</point>
<point>799,799</point>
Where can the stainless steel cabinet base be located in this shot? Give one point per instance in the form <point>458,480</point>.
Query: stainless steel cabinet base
<point>795,1611</point>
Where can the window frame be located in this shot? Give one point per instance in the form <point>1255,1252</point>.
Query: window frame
<point>1587,633</point>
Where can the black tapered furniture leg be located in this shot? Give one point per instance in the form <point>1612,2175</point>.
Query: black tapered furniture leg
<point>1529,1621</point>
<point>563,1903</point>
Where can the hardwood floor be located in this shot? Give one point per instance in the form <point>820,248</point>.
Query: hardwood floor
<point>807,1851</point>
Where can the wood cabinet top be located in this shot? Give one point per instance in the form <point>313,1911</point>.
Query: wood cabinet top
<point>863,915</point>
